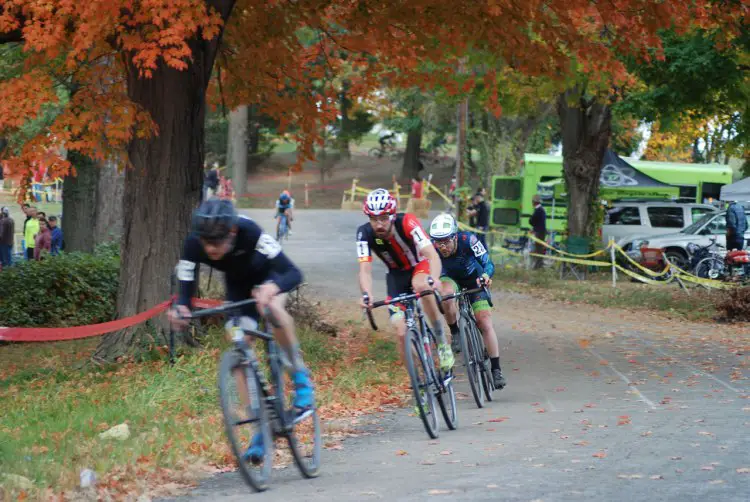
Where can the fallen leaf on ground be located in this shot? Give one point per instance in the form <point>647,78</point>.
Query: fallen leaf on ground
<point>498,419</point>
<point>427,462</point>
<point>707,468</point>
<point>630,476</point>
<point>401,453</point>
<point>646,434</point>
<point>657,476</point>
<point>541,410</point>
<point>446,452</point>
<point>337,446</point>
<point>600,454</point>
<point>716,482</point>
<point>675,458</point>
<point>743,470</point>
<point>705,433</point>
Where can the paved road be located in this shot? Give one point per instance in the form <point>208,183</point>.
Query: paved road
<point>601,405</point>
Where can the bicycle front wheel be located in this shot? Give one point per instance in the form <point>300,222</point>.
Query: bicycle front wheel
<point>302,431</point>
<point>246,419</point>
<point>419,374</point>
<point>375,152</point>
<point>483,362</point>
<point>710,268</point>
<point>467,341</point>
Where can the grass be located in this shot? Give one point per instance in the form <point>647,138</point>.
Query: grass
<point>51,413</point>
<point>699,305</point>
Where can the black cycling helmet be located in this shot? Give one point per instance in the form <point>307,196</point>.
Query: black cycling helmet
<point>214,219</point>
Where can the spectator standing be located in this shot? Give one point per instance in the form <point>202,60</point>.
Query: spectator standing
<point>736,226</point>
<point>481,212</point>
<point>43,240</point>
<point>57,236</point>
<point>538,222</point>
<point>416,187</point>
<point>7,232</point>
<point>210,183</point>
<point>31,228</point>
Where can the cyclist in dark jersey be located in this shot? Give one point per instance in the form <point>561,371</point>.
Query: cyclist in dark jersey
<point>253,264</point>
<point>400,241</point>
<point>284,205</point>
<point>465,261</point>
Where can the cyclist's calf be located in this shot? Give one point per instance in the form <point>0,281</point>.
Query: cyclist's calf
<point>449,306</point>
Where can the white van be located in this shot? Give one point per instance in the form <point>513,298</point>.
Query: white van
<point>629,219</point>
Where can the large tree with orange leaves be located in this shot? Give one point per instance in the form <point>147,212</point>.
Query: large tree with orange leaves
<point>143,69</point>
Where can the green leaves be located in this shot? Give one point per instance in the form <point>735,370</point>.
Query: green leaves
<point>67,290</point>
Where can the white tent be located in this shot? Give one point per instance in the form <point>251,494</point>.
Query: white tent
<point>739,191</point>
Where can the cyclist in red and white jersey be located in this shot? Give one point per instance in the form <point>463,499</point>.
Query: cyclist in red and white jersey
<point>401,242</point>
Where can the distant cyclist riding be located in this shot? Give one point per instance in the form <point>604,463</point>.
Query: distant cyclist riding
<point>400,241</point>
<point>253,265</point>
<point>465,262</point>
<point>284,215</point>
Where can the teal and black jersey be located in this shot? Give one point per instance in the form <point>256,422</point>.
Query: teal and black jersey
<point>469,261</point>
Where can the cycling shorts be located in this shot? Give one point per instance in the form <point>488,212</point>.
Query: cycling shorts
<point>399,283</point>
<point>479,300</point>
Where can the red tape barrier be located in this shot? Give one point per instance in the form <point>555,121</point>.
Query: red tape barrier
<point>75,332</point>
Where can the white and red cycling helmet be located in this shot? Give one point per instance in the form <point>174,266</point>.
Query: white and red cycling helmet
<point>379,202</point>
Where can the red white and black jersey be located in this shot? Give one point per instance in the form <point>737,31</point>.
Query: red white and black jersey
<point>402,251</point>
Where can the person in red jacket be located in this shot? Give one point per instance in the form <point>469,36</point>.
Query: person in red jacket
<point>43,240</point>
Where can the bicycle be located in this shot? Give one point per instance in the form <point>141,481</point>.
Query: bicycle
<point>385,149</point>
<point>476,357</point>
<point>283,230</point>
<point>433,384</point>
<point>266,408</point>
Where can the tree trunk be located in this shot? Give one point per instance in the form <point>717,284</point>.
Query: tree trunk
<point>163,186</point>
<point>79,204</point>
<point>238,143</point>
<point>253,130</point>
<point>411,155</point>
<point>109,197</point>
<point>586,126</point>
<point>345,105</point>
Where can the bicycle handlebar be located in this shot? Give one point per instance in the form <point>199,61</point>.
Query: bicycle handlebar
<point>398,299</point>
<point>463,292</point>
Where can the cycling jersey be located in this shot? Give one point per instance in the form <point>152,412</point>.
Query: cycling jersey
<point>255,258</point>
<point>281,206</point>
<point>469,261</point>
<point>401,251</point>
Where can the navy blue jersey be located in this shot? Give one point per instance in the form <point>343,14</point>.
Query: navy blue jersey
<point>469,261</point>
<point>255,258</point>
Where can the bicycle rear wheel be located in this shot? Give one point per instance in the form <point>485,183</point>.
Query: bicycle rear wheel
<point>470,358</point>
<point>242,421</point>
<point>419,374</point>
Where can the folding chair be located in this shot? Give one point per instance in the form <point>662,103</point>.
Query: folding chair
<point>576,246</point>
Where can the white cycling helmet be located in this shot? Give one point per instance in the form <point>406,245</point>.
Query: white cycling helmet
<point>378,202</point>
<point>443,227</point>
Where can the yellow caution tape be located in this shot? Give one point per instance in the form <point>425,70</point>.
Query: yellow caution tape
<point>641,267</point>
<point>433,188</point>
<point>589,255</point>
<point>592,263</point>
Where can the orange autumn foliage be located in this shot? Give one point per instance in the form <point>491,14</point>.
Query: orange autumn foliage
<point>101,45</point>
